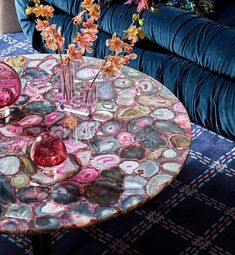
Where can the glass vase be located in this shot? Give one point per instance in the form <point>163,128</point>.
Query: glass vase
<point>76,98</point>
<point>10,88</point>
<point>67,81</point>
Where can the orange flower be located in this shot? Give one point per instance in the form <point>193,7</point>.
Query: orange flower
<point>55,42</point>
<point>84,42</point>
<point>87,4</point>
<point>132,33</point>
<point>126,59</point>
<point>89,24</point>
<point>44,11</point>
<point>91,33</point>
<point>48,11</point>
<point>77,20</point>
<point>38,10</point>
<point>109,69</point>
<point>127,48</point>
<point>112,65</point>
<point>115,61</point>
<point>42,24</point>
<point>60,40</point>
<point>115,44</point>
<point>51,43</point>
<point>95,11</point>
<point>48,31</point>
<point>132,56</point>
<point>73,53</point>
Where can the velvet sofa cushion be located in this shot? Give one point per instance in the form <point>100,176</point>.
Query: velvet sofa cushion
<point>196,39</point>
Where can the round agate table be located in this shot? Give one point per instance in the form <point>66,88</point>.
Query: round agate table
<point>127,152</point>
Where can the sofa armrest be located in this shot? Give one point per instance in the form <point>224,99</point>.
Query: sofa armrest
<point>26,23</point>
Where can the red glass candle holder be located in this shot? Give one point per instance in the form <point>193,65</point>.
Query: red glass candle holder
<point>10,88</point>
<point>48,151</point>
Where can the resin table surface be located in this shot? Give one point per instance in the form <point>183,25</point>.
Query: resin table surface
<point>127,152</point>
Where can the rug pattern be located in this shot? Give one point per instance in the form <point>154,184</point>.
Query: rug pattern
<point>195,215</point>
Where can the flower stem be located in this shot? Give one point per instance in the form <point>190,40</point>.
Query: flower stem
<point>63,73</point>
<point>112,52</point>
<point>96,76</point>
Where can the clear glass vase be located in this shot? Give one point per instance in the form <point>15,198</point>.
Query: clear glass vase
<point>67,81</point>
<point>79,98</point>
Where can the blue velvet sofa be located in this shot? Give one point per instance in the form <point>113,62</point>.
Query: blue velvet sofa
<point>193,56</point>
<point>194,215</point>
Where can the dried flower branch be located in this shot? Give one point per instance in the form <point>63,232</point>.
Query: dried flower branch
<point>82,41</point>
<point>121,48</point>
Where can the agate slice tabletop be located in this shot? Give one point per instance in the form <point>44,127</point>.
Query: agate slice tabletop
<point>126,153</point>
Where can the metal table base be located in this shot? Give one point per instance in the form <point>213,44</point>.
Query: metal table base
<point>40,244</point>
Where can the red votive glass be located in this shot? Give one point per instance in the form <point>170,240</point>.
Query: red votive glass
<point>10,88</point>
<point>48,151</point>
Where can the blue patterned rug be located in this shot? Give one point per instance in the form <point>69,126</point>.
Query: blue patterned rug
<point>195,215</point>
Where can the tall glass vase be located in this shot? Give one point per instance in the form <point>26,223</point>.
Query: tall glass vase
<point>79,98</point>
<point>67,81</point>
